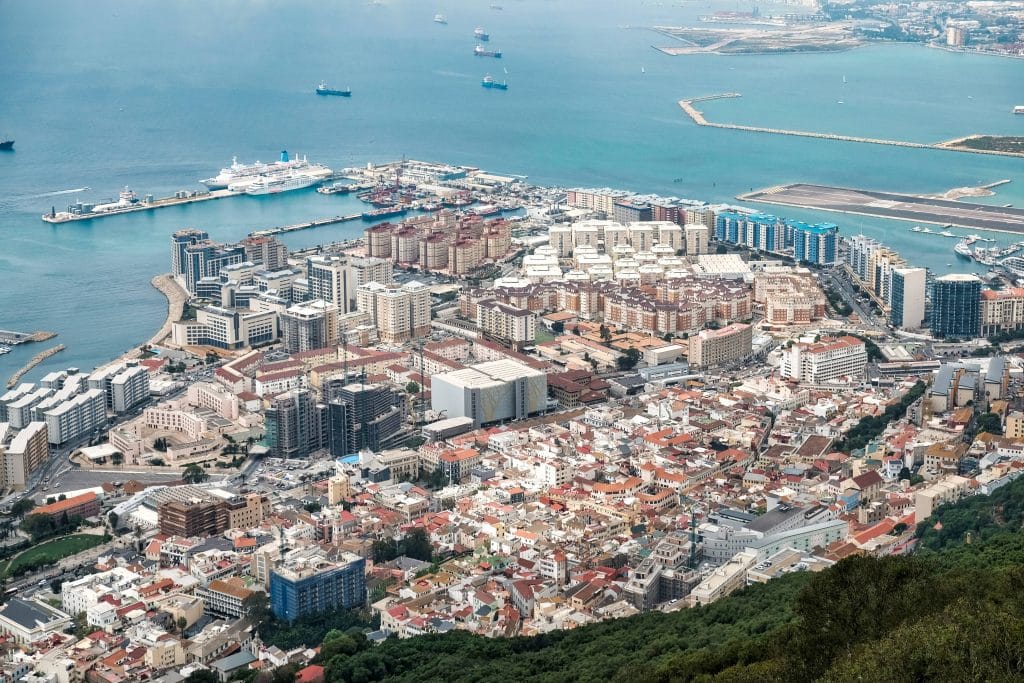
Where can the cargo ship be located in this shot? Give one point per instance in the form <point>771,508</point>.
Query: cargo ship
<point>384,212</point>
<point>6,145</point>
<point>481,34</point>
<point>481,51</point>
<point>489,82</point>
<point>322,89</point>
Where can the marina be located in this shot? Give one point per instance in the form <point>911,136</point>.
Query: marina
<point>9,338</point>
<point>904,207</point>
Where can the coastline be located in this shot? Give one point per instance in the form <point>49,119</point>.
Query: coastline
<point>176,298</point>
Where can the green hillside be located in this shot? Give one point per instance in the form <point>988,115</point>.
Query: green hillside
<point>953,612</point>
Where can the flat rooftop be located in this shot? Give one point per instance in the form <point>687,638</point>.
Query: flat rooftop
<point>903,207</point>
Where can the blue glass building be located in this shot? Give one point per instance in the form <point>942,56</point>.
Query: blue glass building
<point>816,244</point>
<point>317,586</point>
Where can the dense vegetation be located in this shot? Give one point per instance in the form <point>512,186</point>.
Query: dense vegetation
<point>997,143</point>
<point>953,612</point>
<point>870,427</point>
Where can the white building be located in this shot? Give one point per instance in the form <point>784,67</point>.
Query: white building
<point>29,621</point>
<point>509,324</point>
<point>490,392</point>
<point>76,417</point>
<point>225,328</point>
<point>399,313</point>
<point>129,388</point>
<point>825,361</point>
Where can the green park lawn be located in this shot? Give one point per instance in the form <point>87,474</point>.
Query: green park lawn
<point>55,550</point>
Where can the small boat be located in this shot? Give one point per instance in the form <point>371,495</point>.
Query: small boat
<point>916,228</point>
<point>440,19</point>
<point>489,82</point>
<point>481,34</point>
<point>6,145</point>
<point>322,89</point>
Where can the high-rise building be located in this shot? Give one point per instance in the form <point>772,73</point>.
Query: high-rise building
<point>76,417</point>
<point>512,326</point>
<point>23,455</point>
<point>815,243</point>
<point>906,297</point>
<point>399,313</point>
<point>696,237</point>
<point>193,518</point>
<point>270,252</point>
<point>205,258</point>
<point>293,428</point>
<point>313,585</point>
<point>956,306</point>
<point>309,326</point>
<point>826,360</point>
<point>179,241</point>
<point>336,279</point>
<point>709,348</point>
<point>1001,311</point>
<point>363,416</point>
<point>226,328</point>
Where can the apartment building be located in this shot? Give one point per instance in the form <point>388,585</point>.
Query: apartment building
<point>710,348</point>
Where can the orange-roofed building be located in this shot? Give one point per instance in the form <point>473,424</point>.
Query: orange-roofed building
<point>84,505</point>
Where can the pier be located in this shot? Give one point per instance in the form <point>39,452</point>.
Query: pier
<point>9,338</point>
<point>698,117</point>
<point>34,361</point>
<point>183,197</point>
<point>305,226</point>
<point>904,207</point>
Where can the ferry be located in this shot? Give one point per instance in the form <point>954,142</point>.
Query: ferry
<point>440,19</point>
<point>489,82</point>
<point>481,34</point>
<point>1019,109</point>
<point>322,89</point>
<point>481,51</point>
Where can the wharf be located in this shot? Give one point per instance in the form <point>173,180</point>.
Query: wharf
<point>698,117</point>
<point>305,226</point>
<point>34,361</point>
<point>904,207</point>
<point>183,197</point>
<point>9,338</point>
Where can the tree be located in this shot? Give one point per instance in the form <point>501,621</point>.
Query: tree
<point>160,445</point>
<point>194,474</point>
<point>113,519</point>
<point>605,333</point>
<point>38,526</point>
<point>22,506</point>
<point>904,474</point>
<point>721,249</point>
<point>412,388</point>
<point>181,623</point>
<point>558,327</point>
<point>989,422</point>
<point>117,457</point>
<point>312,506</point>
<point>416,545</point>
<point>256,607</point>
<point>202,676</point>
<point>629,360</point>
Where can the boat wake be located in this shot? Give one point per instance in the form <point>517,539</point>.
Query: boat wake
<point>56,193</point>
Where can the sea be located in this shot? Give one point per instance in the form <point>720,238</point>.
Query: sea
<point>155,95</point>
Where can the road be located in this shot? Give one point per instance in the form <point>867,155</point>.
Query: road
<point>837,280</point>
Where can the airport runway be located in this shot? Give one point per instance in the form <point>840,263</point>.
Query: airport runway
<point>903,207</point>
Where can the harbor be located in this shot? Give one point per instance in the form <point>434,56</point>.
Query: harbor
<point>903,207</point>
<point>87,212</point>
<point>9,338</point>
<point>698,117</point>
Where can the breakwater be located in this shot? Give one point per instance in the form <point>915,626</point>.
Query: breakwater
<point>698,117</point>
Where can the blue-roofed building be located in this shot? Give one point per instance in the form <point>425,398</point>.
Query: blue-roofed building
<point>816,244</point>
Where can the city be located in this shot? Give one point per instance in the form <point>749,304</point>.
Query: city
<point>602,405</point>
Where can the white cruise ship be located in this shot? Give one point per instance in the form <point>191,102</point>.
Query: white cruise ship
<point>242,175</point>
<point>288,180</point>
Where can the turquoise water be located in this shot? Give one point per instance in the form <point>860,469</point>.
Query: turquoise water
<point>156,95</point>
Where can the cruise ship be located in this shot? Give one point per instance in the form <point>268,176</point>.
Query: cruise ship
<point>291,168</point>
<point>238,173</point>
<point>285,182</point>
<point>481,51</point>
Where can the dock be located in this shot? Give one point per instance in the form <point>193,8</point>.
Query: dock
<point>180,198</point>
<point>9,338</point>
<point>903,207</point>
<point>698,117</point>
<point>34,361</point>
<point>280,230</point>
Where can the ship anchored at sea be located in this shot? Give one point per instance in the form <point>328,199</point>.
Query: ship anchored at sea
<point>481,51</point>
<point>322,89</point>
<point>489,82</point>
